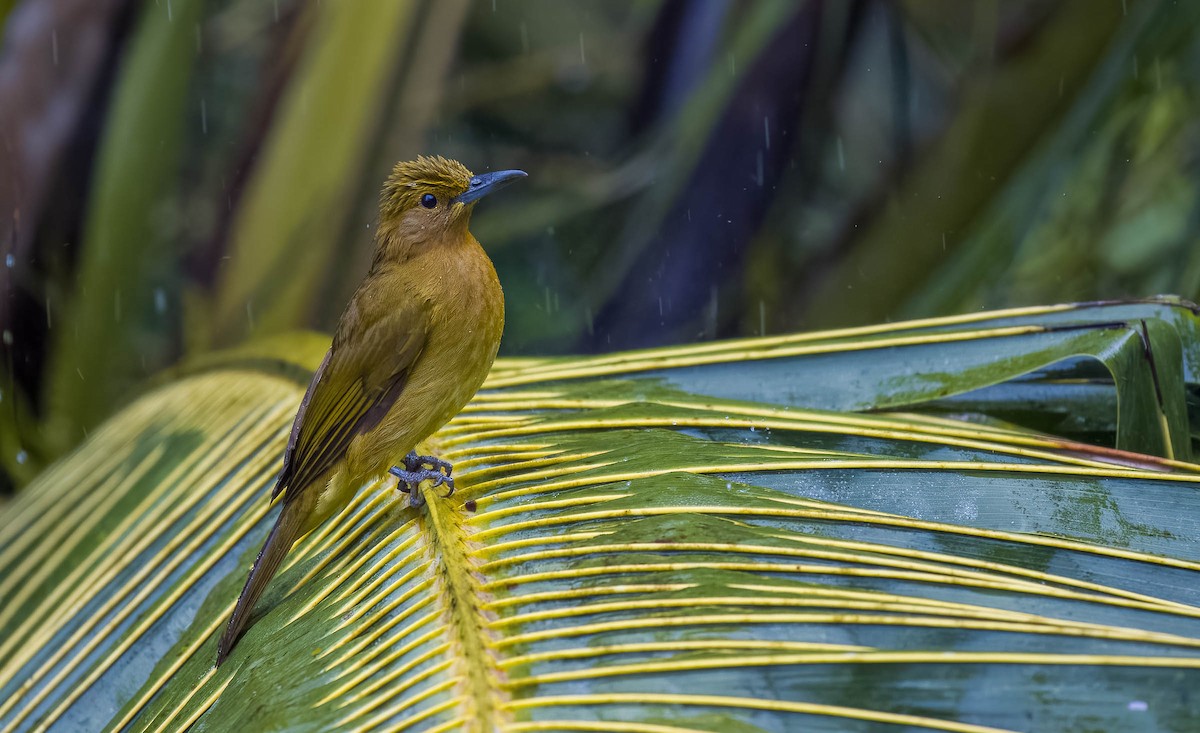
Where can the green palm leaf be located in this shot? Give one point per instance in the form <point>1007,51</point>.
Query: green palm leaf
<point>834,531</point>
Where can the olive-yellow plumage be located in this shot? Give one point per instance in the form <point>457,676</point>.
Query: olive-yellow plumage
<point>414,344</point>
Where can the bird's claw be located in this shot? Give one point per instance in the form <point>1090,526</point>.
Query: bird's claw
<point>418,469</point>
<point>414,462</point>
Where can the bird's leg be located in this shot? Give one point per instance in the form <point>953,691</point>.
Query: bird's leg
<point>415,471</point>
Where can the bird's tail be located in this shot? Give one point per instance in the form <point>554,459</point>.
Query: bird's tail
<point>285,532</point>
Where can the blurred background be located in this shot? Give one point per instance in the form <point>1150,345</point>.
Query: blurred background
<point>177,176</point>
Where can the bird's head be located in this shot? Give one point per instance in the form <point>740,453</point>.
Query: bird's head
<point>427,198</point>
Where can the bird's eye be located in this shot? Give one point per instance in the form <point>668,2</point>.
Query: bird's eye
<point>429,201</point>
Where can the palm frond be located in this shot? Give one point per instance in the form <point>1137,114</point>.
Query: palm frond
<point>823,532</point>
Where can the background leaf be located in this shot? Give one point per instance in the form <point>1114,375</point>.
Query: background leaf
<point>286,234</point>
<point>126,265</point>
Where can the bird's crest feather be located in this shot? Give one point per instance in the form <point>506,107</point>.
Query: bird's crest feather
<point>411,179</point>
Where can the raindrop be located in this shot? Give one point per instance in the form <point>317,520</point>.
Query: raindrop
<point>9,260</point>
<point>170,13</point>
<point>203,117</point>
<point>758,177</point>
<point>160,300</point>
<point>22,456</point>
<point>582,54</point>
<point>767,131</point>
<point>729,485</point>
<point>8,337</point>
<point>841,153</point>
<point>713,312</point>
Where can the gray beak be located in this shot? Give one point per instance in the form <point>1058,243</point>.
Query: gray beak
<point>484,184</point>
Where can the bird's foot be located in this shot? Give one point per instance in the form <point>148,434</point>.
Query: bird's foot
<point>422,468</point>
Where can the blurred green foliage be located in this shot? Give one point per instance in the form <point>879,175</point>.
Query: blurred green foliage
<point>698,169</point>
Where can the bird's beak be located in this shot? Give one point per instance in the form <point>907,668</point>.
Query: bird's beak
<point>484,184</point>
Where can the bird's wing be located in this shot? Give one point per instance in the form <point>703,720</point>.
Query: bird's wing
<point>286,474</point>
<point>357,384</point>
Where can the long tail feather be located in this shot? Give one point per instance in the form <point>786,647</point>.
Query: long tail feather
<point>286,531</point>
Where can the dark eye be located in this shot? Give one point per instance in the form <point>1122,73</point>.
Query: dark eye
<point>429,201</point>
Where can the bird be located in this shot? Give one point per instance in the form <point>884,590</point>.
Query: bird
<point>412,347</point>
